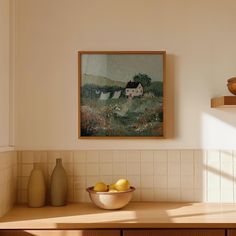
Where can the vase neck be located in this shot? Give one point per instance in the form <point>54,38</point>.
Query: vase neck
<point>59,161</point>
<point>37,166</point>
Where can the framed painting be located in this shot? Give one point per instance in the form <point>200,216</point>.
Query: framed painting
<point>121,94</point>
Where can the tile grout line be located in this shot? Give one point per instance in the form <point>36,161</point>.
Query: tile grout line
<point>233,169</point>
<point>180,179</point>
<point>232,163</point>
<point>99,165</point>
<point>194,188</point>
<point>167,172</point>
<point>86,166</point>
<point>153,178</point>
<point>126,167</point>
<point>113,165</point>
<point>73,171</point>
<point>206,182</point>
<point>140,178</point>
<point>220,163</point>
<point>73,175</point>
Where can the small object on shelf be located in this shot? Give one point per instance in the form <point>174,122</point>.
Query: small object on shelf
<point>58,185</point>
<point>232,85</point>
<point>110,200</point>
<point>36,187</point>
<point>224,102</point>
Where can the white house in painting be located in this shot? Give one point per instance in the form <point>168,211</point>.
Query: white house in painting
<point>133,89</point>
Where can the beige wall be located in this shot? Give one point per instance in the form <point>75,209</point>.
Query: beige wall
<point>199,37</point>
<point>4,72</point>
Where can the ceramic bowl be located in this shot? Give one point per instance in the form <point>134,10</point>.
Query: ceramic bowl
<point>110,200</point>
<point>232,85</point>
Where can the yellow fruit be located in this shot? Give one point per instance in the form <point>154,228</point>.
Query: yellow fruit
<point>100,187</point>
<point>122,185</point>
<point>113,191</point>
<point>112,187</point>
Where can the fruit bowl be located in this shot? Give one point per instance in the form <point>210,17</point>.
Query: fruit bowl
<point>110,200</point>
<point>232,85</point>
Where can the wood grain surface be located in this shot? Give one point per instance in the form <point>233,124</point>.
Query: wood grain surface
<point>135,215</point>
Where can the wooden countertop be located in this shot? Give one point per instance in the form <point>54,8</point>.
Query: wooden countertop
<point>135,215</point>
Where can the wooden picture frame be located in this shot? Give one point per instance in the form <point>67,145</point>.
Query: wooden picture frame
<point>122,94</point>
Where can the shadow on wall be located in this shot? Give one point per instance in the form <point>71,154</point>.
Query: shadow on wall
<point>170,96</point>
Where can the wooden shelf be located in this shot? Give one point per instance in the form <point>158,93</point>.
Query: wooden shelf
<point>224,102</point>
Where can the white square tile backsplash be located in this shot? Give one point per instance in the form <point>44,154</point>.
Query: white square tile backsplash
<point>147,168</point>
<point>8,181</point>
<point>163,175</point>
<point>133,168</point>
<point>147,181</point>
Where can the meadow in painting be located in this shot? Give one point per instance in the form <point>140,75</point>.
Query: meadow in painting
<point>121,95</point>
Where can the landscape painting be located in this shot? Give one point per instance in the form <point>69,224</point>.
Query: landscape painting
<point>121,94</point>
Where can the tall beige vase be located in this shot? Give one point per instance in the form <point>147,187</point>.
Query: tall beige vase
<point>58,185</point>
<point>36,187</point>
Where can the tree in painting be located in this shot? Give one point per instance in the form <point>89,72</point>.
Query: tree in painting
<point>144,79</point>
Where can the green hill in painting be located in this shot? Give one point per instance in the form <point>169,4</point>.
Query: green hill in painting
<point>156,88</point>
<point>101,81</point>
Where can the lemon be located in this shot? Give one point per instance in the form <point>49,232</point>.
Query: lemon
<point>112,187</point>
<point>100,187</point>
<point>122,185</point>
<point>113,191</point>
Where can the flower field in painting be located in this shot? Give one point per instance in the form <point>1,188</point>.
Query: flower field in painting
<point>110,109</point>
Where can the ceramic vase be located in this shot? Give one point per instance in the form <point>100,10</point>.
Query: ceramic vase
<point>58,188</point>
<point>36,187</point>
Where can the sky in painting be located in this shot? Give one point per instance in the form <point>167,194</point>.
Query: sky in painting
<point>123,67</point>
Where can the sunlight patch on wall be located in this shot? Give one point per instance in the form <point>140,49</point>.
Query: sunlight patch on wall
<point>217,134</point>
